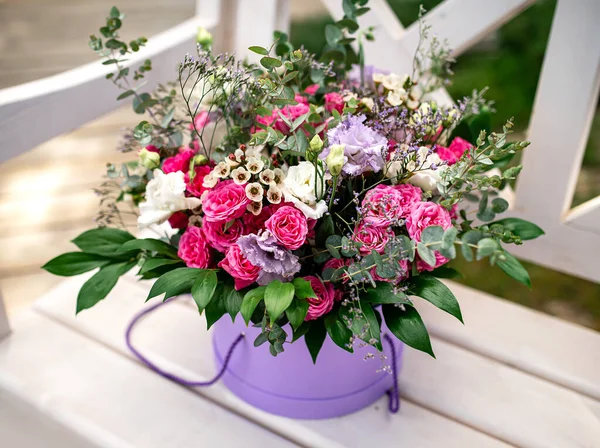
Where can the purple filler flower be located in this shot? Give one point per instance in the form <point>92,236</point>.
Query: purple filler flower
<point>364,147</point>
<point>275,261</point>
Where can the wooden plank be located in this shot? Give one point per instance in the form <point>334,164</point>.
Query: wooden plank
<point>60,96</point>
<point>183,346</point>
<point>541,345</point>
<point>100,392</point>
<point>4,328</point>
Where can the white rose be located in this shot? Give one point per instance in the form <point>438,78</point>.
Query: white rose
<point>299,189</point>
<point>426,178</point>
<point>165,194</point>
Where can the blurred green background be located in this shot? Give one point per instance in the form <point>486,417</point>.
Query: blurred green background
<point>509,62</point>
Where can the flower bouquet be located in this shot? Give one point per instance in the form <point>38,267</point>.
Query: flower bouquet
<point>318,198</point>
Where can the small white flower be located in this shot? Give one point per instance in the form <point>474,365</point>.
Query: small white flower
<point>210,180</point>
<point>222,170</point>
<point>239,154</point>
<point>165,194</point>
<point>240,175</point>
<point>231,162</point>
<point>255,208</point>
<point>254,151</point>
<point>255,165</point>
<point>274,195</point>
<point>368,102</point>
<point>267,176</point>
<point>254,191</point>
<point>278,176</point>
<point>378,78</point>
<point>394,81</point>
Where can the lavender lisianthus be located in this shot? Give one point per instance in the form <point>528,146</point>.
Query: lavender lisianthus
<point>363,147</point>
<point>275,261</point>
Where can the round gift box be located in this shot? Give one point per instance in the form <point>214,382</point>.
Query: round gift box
<point>290,384</point>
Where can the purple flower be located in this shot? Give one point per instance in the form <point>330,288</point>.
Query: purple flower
<point>275,261</point>
<point>364,147</point>
<point>369,71</point>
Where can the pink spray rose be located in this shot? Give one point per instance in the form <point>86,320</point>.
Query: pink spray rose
<point>194,186</point>
<point>439,261</point>
<point>336,263</point>
<point>323,303</point>
<point>237,265</point>
<point>194,249</point>
<point>334,100</point>
<point>383,205</point>
<point>289,227</point>
<point>225,202</point>
<point>372,237</point>
<point>426,214</point>
<point>452,153</point>
<point>255,223</point>
<point>220,236</point>
<point>312,89</point>
<point>200,120</point>
<point>411,196</point>
<point>179,162</point>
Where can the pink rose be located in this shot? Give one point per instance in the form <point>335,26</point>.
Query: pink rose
<point>312,89</point>
<point>402,275</point>
<point>411,196</point>
<point>200,120</point>
<point>237,265</point>
<point>323,303</point>
<point>439,261</point>
<point>255,223</point>
<point>194,186</point>
<point>179,162</point>
<point>334,100</point>
<point>301,99</point>
<point>225,202</point>
<point>194,249</point>
<point>336,263</point>
<point>372,237</point>
<point>179,220</point>
<point>219,236</point>
<point>291,112</point>
<point>426,214</point>
<point>289,227</point>
<point>452,153</point>
<point>382,206</point>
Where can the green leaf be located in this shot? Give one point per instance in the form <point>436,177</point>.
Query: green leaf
<point>125,94</point>
<point>471,237</point>
<point>75,263</point>
<point>314,338</point>
<point>333,35</point>
<point>367,321</point>
<point>446,272</point>
<point>259,50</point>
<point>338,331</point>
<point>523,229</point>
<point>153,263</point>
<point>296,312</point>
<point>426,254</point>
<point>233,301</point>
<point>486,247</point>
<point>215,308</point>
<point>324,230</point>
<point>103,241</point>
<point>303,288</point>
<point>332,243</point>
<point>384,293</point>
<point>278,296</point>
<point>486,215</point>
<point>204,288</point>
<point>499,205</point>
<point>434,291</point>
<point>514,269</point>
<point>408,326</point>
<point>447,248</point>
<point>100,284</point>
<point>251,301</point>
<point>270,63</point>
<point>114,13</point>
<point>167,118</point>
<point>175,282</point>
<point>152,245</point>
<point>301,331</point>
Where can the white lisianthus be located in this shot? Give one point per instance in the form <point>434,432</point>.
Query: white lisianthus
<point>299,189</point>
<point>165,195</point>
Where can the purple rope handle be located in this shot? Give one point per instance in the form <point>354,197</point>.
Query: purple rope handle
<point>393,393</point>
<point>164,373</point>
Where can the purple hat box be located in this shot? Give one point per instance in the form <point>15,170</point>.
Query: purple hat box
<point>291,385</point>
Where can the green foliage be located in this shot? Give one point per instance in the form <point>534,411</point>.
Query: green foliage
<point>203,289</point>
<point>384,292</point>
<point>150,245</point>
<point>75,263</point>
<point>511,266</point>
<point>434,291</point>
<point>251,301</point>
<point>278,297</point>
<point>296,312</point>
<point>175,282</point>
<point>101,283</point>
<point>523,229</point>
<point>103,241</point>
<point>314,338</point>
<point>338,331</point>
<point>406,324</point>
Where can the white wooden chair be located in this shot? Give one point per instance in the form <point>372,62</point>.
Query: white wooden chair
<point>511,376</point>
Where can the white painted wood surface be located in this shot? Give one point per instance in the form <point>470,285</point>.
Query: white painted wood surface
<point>494,394</point>
<point>4,328</point>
